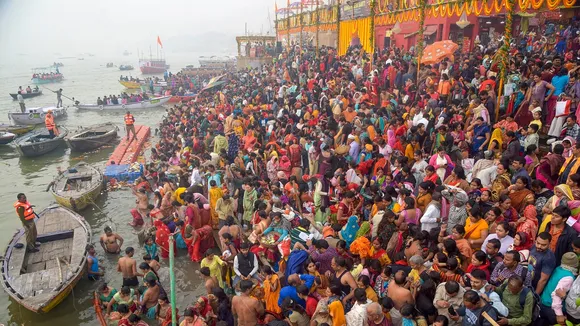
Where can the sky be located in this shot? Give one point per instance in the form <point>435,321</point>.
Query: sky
<point>72,27</point>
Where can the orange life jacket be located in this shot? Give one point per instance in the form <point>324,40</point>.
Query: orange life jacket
<point>49,121</point>
<point>28,211</point>
<point>129,120</point>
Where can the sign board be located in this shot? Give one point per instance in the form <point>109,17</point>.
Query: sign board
<point>350,9</point>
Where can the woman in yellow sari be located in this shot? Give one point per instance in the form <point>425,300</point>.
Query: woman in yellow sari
<point>501,182</point>
<point>562,194</point>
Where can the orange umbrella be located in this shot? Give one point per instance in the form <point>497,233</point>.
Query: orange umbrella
<point>437,51</point>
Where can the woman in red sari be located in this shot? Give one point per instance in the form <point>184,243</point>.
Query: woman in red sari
<point>528,223</point>
<point>199,235</point>
<point>162,238</point>
<point>378,253</point>
<point>164,311</point>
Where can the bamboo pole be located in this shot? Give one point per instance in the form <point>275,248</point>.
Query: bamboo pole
<point>317,29</point>
<point>422,6</point>
<point>172,282</point>
<point>337,26</point>
<point>372,38</point>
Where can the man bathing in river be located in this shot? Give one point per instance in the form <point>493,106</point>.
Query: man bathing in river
<point>128,267</point>
<point>246,308</point>
<point>111,242</point>
<point>150,298</point>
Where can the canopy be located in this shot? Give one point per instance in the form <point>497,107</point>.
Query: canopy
<point>437,51</point>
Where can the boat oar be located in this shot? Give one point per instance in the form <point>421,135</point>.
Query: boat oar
<point>72,99</point>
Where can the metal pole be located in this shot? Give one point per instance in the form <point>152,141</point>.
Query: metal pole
<point>300,21</point>
<point>172,283</point>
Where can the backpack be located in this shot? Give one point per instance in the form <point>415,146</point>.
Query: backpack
<point>523,295</point>
<point>486,308</point>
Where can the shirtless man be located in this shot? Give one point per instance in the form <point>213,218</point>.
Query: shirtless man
<point>245,308</point>
<point>150,299</point>
<point>128,267</point>
<point>154,264</point>
<point>111,242</point>
<point>142,201</point>
<point>400,296</point>
<point>210,282</point>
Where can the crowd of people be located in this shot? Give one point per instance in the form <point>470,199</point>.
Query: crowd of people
<point>123,98</point>
<point>358,190</point>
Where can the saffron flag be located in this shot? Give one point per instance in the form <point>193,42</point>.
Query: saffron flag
<point>275,7</point>
<point>159,42</point>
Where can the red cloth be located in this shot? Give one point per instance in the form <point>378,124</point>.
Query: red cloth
<point>137,218</point>
<point>204,241</point>
<point>162,238</point>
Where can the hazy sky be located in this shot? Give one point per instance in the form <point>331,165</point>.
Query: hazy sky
<point>72,27</point>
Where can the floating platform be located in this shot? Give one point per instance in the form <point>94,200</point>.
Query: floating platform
<point>128,151</point>
<point>124,172</point>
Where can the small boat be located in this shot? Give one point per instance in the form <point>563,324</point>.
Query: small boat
<point>81,58</point>
<point>77,187</point>
<point>92,137</point>
<point>27,95</point>
<point>46,75</point>
<point>183,98</point>
<point>35,116</point>
<point>130,84</point>
<point>126,67</point>
<point>148,104</point>
<point>15,129</point>
<point>38,142</point>
<point>41,280</point>
<point>6,137</point>
<point>109,65</point>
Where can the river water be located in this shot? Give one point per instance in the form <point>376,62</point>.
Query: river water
<point>85,80</point>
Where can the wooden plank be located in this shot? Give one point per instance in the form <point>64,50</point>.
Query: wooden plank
<point>78,247</point>
<point>50,264</point>
<point>40,225</point>
<point>16,284</point>
<point>17,259</point>
<point>27,285</point>
<point>45,281</point>
<point>54,278</point>
<point>36,267</point>
<point>34,258</point>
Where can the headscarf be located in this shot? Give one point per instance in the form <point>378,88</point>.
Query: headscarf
<point>565,189</point>
<point>349,231</point>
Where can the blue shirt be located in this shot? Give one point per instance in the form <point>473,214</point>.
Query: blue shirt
<point>540,262</point>
<point>559,82</point>
<point>290,291</point>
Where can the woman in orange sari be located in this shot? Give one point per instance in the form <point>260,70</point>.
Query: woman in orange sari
<point>476,228</point>
<point>520,195</point>
<point>249,140</point>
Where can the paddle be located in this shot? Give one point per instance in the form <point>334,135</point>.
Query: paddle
<point>72,99</point>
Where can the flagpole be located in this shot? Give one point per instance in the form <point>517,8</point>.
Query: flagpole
<point>288,23</point>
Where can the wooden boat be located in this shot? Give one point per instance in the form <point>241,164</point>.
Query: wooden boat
<point>35,116</point>
<point>130,84</point>
<point>184,98</point>
<point>77,187</point>
<point>38,142</point>
<point>6,137</point>
<point>40,281</point>
<point>126,67</point>
<point>152,103</point>
<point>15,129</point>
<point>27,95</point>
<point>92,137</point>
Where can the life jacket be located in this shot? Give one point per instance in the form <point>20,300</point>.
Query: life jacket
<point>129,120</point>
<point>49,121</point>
<point>28,211</point>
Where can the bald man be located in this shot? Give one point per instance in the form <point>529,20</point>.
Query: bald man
<point>400,296</point>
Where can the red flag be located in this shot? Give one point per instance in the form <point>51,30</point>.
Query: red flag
<point>159,42</point>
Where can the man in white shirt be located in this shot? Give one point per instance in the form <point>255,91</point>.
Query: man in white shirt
<point>21,102</point>
<point>196,177</point>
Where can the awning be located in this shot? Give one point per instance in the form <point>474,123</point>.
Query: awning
<point>430,30</point>
<point>411,34</point>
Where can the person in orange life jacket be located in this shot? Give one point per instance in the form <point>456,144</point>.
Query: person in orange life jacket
<point>49,123</point>
<point>130,125</point>
<point>26,213</point>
